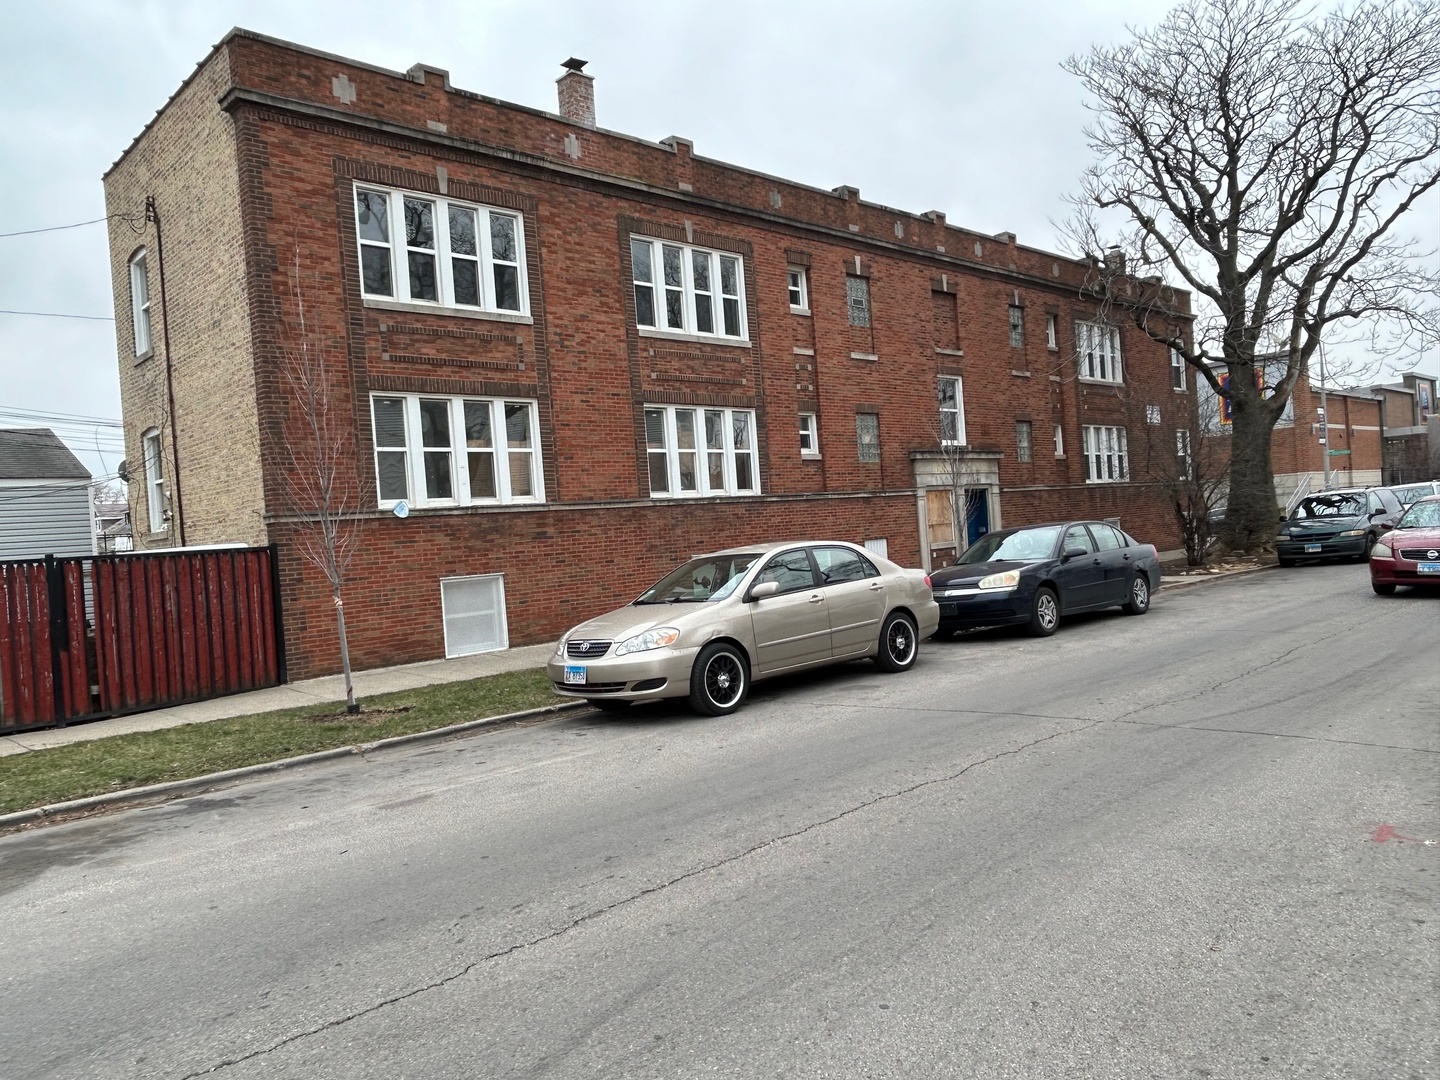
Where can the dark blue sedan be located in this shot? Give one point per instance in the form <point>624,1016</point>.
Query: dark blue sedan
<point>1034,575</point>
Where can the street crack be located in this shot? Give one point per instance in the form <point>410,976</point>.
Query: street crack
<point>626,901</point>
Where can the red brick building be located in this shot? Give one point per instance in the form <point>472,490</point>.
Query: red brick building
<point>574,356</point>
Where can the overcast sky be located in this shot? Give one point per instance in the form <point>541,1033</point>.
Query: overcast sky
<point>953,105</point>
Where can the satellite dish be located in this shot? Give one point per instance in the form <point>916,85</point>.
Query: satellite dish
<point>402,509</point>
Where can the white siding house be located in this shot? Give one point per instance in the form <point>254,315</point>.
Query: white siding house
<point>44,497</point>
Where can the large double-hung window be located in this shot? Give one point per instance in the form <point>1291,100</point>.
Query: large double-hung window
<point>1098,346</point>
<point>429,250</point>
<point>697,452</point>
<point>688,290</point>
<point>454,451</point>
<point>1107,459</point>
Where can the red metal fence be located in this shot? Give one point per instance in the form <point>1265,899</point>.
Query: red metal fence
<point>84,638</point>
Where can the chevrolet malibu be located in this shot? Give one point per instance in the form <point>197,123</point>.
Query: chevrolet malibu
<point>1411,554</point>
<point>708,628</point>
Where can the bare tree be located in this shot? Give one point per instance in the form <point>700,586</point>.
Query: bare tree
<point>319,487</point>
<point>1266,159</point>
<point>1186,459</point>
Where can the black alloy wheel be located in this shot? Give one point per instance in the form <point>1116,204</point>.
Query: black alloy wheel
<point>1139,601</point>
<point>1044,613</point>
<point>719,680</point>
<point>899,643</point>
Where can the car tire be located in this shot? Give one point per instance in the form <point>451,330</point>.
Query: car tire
<point>1369,543</point>
<point>1287,563</point>
<point>899,643</point>
<point>719,680</point>
<point>1382,589</point>
<point>1139,601</point>
<point>1044,613</point>
<point>608,705</point>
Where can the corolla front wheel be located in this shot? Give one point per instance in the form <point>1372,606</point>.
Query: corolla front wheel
<point>719,680</point>
<point>1044,613</point>
<point>899,643</point>
<point>1139,601</point>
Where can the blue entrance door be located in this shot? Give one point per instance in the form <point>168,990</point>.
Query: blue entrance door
<point>977,514</point>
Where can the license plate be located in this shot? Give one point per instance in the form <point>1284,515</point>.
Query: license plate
<point>1309,548</point>
<point>574,675</point>
<point>1428,567</point>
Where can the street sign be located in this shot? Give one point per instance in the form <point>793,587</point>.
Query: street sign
<point>1337,453</point>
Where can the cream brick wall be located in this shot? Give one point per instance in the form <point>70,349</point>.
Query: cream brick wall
<point>186,159</point>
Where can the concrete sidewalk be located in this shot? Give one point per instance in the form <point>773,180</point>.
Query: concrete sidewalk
<point>305,692</point>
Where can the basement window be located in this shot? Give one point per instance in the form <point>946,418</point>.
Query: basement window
<point>473,612</point>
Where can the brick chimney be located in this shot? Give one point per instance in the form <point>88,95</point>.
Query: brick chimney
<point>1115,260</point>
<point>577,93</point>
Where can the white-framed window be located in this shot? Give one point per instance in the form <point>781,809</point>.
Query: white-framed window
<point>472,610</point>
<point>140,302</point>
<point>1017,325</point>
<point>432,250</point>
<point>857,299</point>
<point>694,452</point>
<point>1099,348</point>
<point>432,450</point>
<point>688,290</point>
<point>867,437</point>
<point>1024,441</point>
<point>799,280</point>
<point>1059,441</point>
<point>1052,341</point>
<point>1107,460</point>
<point>154,480</point>
<point>952,410</point>
<point>1178,379</point>
<point>1182,453</point>
<point>809,435</point>
<point>1152,415</point>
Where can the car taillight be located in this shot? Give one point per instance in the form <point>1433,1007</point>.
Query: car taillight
<point>927,581</point>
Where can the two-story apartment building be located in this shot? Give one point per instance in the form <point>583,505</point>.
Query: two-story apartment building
<point>561,358</point>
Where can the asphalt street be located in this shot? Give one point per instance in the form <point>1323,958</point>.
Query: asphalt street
<point>1197,843</point>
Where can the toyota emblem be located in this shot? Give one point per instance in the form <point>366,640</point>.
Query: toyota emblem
<point>584,646</point>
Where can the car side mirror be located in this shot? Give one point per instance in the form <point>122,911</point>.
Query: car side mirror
<point>1378,513</point>
<point>764,589</point>
<point>1283,519</point>
<point>1073,553</point>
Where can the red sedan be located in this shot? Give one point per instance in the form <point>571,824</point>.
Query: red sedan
<point>1410,553</point>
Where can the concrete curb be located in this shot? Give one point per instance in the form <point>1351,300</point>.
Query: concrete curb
<point>197,785</point>
<point>1184,584</point>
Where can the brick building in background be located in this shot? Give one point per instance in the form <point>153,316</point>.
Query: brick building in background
<point>576,357</point>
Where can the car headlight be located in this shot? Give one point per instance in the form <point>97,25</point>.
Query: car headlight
<point>1353,532</point>
<point>1008,580</point>
<point>560,645</point>
<point>1382,550</point>
<point>657,638</point>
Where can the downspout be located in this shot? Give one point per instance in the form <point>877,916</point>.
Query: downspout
<point>152,214</point>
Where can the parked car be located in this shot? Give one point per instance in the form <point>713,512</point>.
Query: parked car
<point>1413,493</point>
<point>709,627</point>
<point>1336,524</point>
<point>1033,576</point>
<point>1410,554</point>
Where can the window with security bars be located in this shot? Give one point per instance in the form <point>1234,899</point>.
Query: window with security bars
<point>1107,459</point>
<point>455,451</point>
<point>688,290</point>
<point>431,250</point>
<point>1098,348</point>
<point>694,452</point>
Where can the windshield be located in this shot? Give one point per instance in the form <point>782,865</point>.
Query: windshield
<point>711,578</point>
<point>1335,504</point>
<point>1408,495</point>
<point>1024,545</point>
<point>1423,515</point>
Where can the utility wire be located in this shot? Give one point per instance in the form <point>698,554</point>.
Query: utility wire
<point>57,315</point>
<point>58,228</point>
<point>85,418</point>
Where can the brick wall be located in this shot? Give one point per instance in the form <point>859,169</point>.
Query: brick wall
<point>307,127</point>
<point>186,159</point>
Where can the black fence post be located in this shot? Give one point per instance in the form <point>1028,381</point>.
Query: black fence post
<point>280,666</point>
<point>59,634</point>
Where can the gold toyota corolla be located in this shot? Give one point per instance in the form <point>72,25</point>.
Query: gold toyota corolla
<point>709,627</point>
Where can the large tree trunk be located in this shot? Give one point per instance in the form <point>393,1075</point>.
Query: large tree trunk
<point>1251,512</point>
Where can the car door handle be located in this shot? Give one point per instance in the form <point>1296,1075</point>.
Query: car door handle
<point>1097,562</point>
<point>817,599</point>
<point>876,586</point>
<point>1126,556</point>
